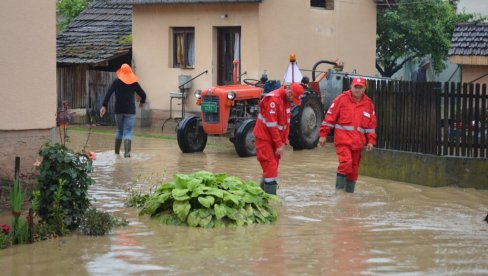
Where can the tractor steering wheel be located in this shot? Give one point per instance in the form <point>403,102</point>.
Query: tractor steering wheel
<point>253,82</point>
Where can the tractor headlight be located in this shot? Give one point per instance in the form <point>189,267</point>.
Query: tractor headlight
<point>198,93</point>
<point>231,95</point>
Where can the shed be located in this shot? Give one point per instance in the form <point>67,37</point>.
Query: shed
<point>89,50</point>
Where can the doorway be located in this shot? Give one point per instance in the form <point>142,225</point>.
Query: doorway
<point>228,50</point>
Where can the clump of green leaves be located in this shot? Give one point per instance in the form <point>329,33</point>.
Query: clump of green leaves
<point>4,241</point>
<point>5,238</point>
<point>16,196</point>
<point>69,9</point>
<point>204,199</point>
<point>98,223</point>
<point>61,163</point>
<point>136,199</point>
<point>20,229</point>
<point>57,215</point>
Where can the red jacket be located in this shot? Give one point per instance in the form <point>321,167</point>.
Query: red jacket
<point>273,123</point>
<point>354,122</point>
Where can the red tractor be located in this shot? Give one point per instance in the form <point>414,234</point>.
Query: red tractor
<point>231,110</point>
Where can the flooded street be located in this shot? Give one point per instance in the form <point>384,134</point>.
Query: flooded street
<point>385,227</point>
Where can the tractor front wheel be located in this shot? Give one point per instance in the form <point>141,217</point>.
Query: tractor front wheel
<point>190,135</point>
<point>305,122</point>
<point>244,142</point>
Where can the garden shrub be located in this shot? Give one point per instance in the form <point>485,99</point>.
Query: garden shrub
<point>98,223</point>
<point>61,163</point>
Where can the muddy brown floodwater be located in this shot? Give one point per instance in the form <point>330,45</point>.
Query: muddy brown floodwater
<point>385,228</point>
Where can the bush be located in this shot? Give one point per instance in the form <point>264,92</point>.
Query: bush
<point>61,163</point>
<point>4,241</point>
<point>98,223</point>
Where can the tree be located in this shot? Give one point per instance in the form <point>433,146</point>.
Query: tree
<point>411,30</point>
<point>69,9</point>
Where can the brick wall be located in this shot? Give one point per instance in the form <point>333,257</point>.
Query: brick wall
<point>22,143</point>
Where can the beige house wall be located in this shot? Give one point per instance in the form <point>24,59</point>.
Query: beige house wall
<point>472,72</point>
<point>28,77</point>
<point>270,31</point>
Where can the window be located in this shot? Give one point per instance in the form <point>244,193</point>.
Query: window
<point>183,47</point>
<point>325,4</point>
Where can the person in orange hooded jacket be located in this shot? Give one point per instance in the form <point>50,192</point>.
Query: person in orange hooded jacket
<point>352,117</point>
<point>272,129</point>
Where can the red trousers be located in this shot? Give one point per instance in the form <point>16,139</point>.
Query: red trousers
<point>348,162</point>
<point>268,159</point>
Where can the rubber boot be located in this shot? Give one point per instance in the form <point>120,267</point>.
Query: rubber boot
<point>127,144</point>
<point>350,186</point>
<point>117,145</point>
<point>270,187</point>
<point>340,181</point>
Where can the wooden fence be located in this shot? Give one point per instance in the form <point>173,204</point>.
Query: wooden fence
<point>449,119</point>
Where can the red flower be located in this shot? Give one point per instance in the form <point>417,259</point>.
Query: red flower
<point>5,228</point>
<point>92,155</point>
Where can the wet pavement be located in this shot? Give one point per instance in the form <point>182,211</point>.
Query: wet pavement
<point>384,228</point>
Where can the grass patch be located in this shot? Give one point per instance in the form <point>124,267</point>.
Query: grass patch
<point>144,135</point>
<point>134,133</point>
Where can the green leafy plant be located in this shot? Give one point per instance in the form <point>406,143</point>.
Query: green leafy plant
<point>97,223</point>
<point>70,9</point>
<point>35,201</point>
<point>5,240</point>
<point>61,163</point>
<point>45,231</point>
<point>21,233</point>
<point>57,214</point>
<point>204,199</point>
<point>16,198</point>
<point>136,199</point>
<point>19,228</point>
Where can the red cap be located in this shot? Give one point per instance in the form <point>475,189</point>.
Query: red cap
<point>296,91</point>
<point>359,81</point>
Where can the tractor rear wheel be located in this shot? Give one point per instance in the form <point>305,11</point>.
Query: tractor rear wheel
<point>190,135</point>
<point>244,141</point>
<point>305,122</point>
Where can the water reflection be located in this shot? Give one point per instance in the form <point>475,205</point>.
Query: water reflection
<point>385,227</point>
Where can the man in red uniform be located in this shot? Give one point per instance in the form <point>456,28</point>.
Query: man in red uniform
<point>271,131</point>
<point>352,117</point>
